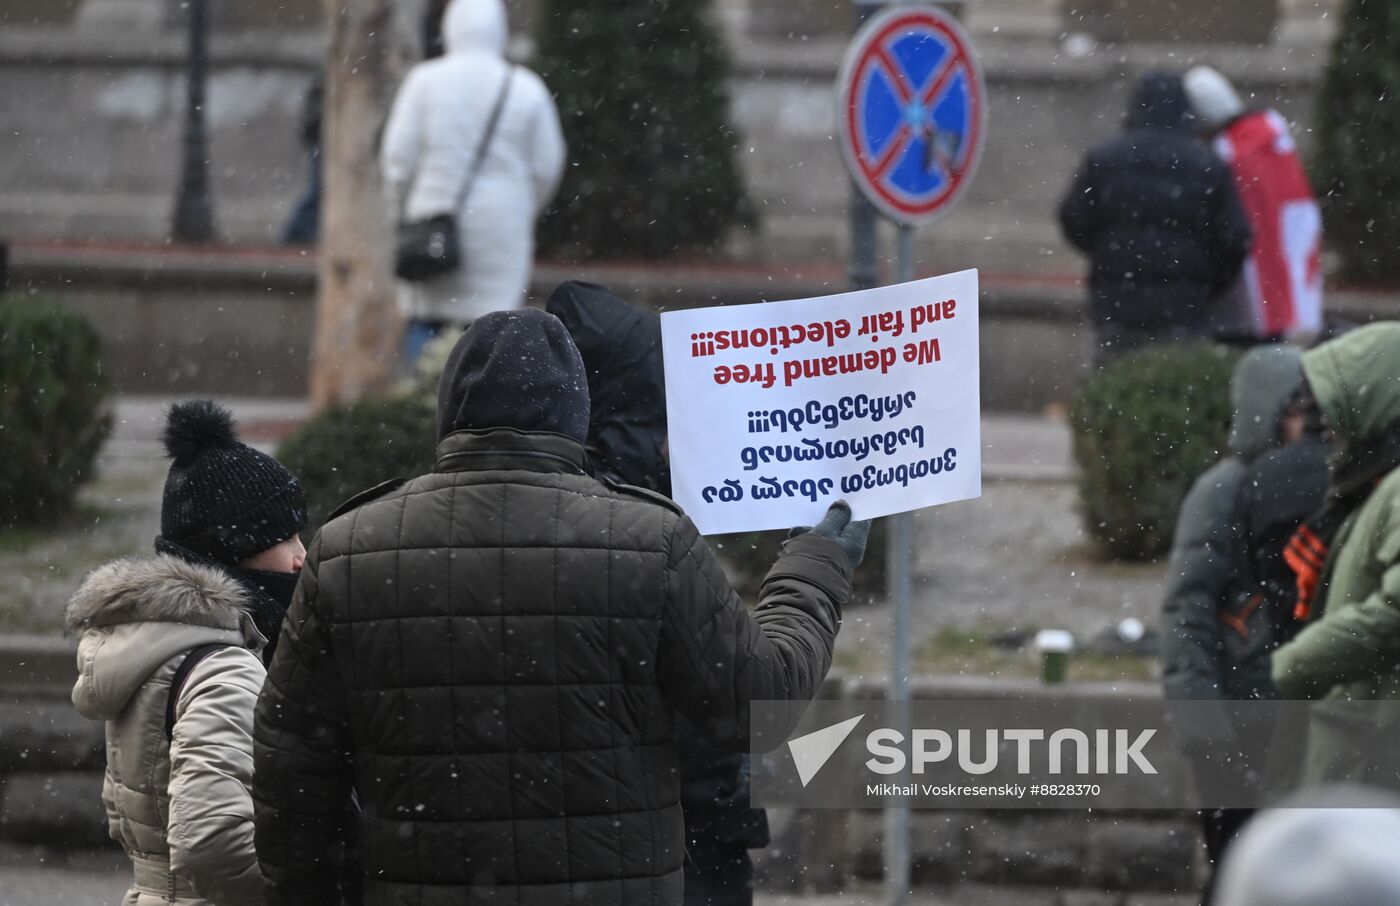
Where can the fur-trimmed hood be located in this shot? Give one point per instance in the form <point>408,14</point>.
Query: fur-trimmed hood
<point>132,616</point>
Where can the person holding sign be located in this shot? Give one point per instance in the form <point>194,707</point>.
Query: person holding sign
<point>493,656</point>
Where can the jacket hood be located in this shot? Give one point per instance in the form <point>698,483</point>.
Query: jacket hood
<point>134,615</point>
<point>1356,382</point>
<point>1159,103</point>
<point>475,25</point>
<point>1214,100</point>
<point>621,349</point>
<point>515,369</point>
<point>1265,380</point>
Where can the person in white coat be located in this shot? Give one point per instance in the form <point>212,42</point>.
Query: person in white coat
<point>436,126</point>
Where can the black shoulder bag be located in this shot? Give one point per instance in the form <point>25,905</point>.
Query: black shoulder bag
<point>430,248</point>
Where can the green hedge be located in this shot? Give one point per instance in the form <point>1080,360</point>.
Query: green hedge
<point>642,96</point>
<point>52,414</point>
<point>349,449</point>
<point>1144,428</point>
<point>1358,138</point>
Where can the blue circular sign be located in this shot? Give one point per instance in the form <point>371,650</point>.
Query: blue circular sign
<point>912,112</point>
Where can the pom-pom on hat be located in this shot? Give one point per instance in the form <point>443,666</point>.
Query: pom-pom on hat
<point>223,499</point>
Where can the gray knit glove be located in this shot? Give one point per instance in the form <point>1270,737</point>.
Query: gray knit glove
<point>837,525</point>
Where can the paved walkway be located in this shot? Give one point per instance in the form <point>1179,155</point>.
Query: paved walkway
<point>69,887</point>
<point>61,887</point>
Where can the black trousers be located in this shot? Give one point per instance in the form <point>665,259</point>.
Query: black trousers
<point>1221,826</point>
<point>719,878</point>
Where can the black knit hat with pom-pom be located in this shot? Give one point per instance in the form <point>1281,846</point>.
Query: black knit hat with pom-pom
<point>223,499</point>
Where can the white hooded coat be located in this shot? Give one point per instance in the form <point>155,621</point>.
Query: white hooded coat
<point>439,117</point>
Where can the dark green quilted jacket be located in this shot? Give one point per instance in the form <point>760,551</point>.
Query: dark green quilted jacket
<point>492,656</point>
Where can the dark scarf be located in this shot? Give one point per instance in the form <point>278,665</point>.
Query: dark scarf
<point>269,593</point>
<point>1360,467</point>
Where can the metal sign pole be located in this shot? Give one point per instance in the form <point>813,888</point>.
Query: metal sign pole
<point>911,168</point>
<point>864,240</point>
<point>900,566</point>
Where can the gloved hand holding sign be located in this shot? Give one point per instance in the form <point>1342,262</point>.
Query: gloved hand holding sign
<point>837,525</point>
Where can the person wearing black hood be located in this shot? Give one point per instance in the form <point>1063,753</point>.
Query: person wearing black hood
<point>170,658</point>
<point>1159,217</point>
<point>621,349</point>
<point>492,657</point>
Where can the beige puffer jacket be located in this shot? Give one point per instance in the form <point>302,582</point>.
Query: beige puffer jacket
<point>182,810</point>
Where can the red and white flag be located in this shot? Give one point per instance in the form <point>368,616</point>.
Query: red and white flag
<point>1283,273</point>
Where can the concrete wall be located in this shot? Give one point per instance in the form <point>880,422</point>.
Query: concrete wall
<point>89,128</point>
<point>91,134</point>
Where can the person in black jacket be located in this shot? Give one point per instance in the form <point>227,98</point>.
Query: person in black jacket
<point>1230,592</point>
<point>492,657</point>
<point>621,349</point>
<point>1158,215</point>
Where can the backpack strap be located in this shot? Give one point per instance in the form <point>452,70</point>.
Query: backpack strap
<point>182,673</point>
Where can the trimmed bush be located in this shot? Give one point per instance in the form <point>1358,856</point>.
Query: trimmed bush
<point>1358,138</point>
<point>52,417</point>
<point>349,449</point>
<point>1144,428</point>
<point>642,95</point>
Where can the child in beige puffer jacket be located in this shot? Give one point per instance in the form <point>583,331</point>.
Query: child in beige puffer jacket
<point>170,656</point>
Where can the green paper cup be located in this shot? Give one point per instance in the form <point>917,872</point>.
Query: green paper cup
<point>1054,646</point>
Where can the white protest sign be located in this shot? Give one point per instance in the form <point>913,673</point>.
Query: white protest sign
<point>778,409</point>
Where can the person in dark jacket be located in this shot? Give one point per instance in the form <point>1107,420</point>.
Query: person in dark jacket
<point>1222,517</point>
<point>433,45</point>
<point>621,349</point>
<point>304,226</point>
<point>492,656</point>
<point>1228,604</point>
<point>1158,215</point>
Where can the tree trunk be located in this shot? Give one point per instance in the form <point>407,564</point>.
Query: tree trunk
<point>358,329</point>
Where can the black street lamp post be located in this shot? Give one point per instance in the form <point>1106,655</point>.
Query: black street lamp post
<point>194,208</point>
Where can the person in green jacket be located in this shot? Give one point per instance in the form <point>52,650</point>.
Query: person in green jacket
<point>1348,561</point>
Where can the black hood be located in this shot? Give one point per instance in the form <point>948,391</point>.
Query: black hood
<point>621,349</point>
<point>514,369</point>
<point>1160,104</point>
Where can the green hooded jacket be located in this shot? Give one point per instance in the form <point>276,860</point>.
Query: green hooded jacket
<point>1351,649</point>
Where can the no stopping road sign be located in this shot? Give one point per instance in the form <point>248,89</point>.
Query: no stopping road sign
<point>912,112</point>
